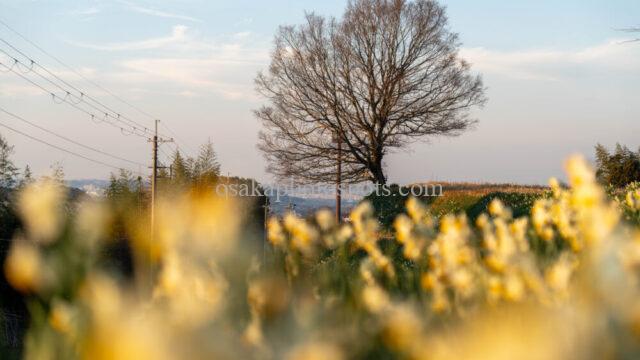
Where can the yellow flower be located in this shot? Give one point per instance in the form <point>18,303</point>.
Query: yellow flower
<point>416,210</point>
<point>411,250</point>
<point>403,227</point>
<point>253,333</point>
<point>61,317</point>
<point>633,199</point>
<point>128,338</point>
<point>402,328</point>
<point>497,209</point>
<point>41,207</point>
<point>316,351</point>
<point>554,184</point>
<point>194,292</point>
<point>23,267</point>
<point>514,287</point>
<point>325,219</point>
<point>579,171</point>
<point>375,299</point>
<point>495,263</point>
<point>440,302</point>
<point>547,234</point>
<point>92,221</point>
<point>268,296</point>
<point>428,281</point>
<point>120,328</point>
<point>558,276</point>
<point>462,281</point>
<point>482,221</point>
<point>275,233</point>
<point>303,236</point>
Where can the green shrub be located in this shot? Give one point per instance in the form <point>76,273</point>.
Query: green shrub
<point>519,203</point>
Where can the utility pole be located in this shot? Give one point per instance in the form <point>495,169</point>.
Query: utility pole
<point>154,180</point>
<point>339,180</point>
<point>155,140</point>
<point>264,240</point>
<point>154,176</point>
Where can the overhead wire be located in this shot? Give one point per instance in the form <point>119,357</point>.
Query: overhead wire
<point>60,62</point>
<point>83,94</point>
<point>63,149</point>
<point>72,104</point>
<point>77,73</point>
<point>68,139</point>
<point>178,139</point>
<point>68,93</point>
<point>83,97</point>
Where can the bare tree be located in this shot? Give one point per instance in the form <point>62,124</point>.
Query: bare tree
<point>386,74</point>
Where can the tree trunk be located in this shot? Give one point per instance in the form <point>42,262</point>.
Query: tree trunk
<point>377,173</point>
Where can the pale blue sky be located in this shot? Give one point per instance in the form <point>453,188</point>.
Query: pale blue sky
<point>559,80</point>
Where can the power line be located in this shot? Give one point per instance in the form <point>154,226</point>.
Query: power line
<point>70,68</point>
<point>83,96</point>
<point>72,104</point>
<point>179,139</point>
<point>63,149</point>
<point>168,157</point>
<point>60,62</point>
<point>68,139</point>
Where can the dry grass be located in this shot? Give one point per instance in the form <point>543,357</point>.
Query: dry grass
<point>481,189</point>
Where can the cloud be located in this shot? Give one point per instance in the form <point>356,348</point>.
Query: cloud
<point>14,86</point>
<point>158,13</point>
<point>553,64</point>
<point>225,66</point>
<point>18,90</point>
<point>228,72</point>
<point>242,34</point>
<point>177,37</point>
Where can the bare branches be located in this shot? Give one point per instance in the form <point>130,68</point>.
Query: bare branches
<point>384,75</point>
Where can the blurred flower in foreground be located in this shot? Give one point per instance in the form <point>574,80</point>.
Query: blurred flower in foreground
<point>92,222</point>
<point>120,328</point>
<point>62,317</point>
<point>23,267</point>
<point>194,292</point>
<point>509,334</point>
<point>562,283</point>
<point>40,205</point>
<point>315,351</point>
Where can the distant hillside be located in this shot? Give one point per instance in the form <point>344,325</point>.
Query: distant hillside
<point>93,187</point>
<point>83,182</point>
<point>307,206</point>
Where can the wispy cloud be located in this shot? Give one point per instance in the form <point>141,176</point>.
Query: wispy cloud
<point>228,71</point>
<point>554,64</point>
<point>158,13</point>
<point>177,37</point>
<point>190,65</point>
<point>18,90</point>
<point>183,39</point>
